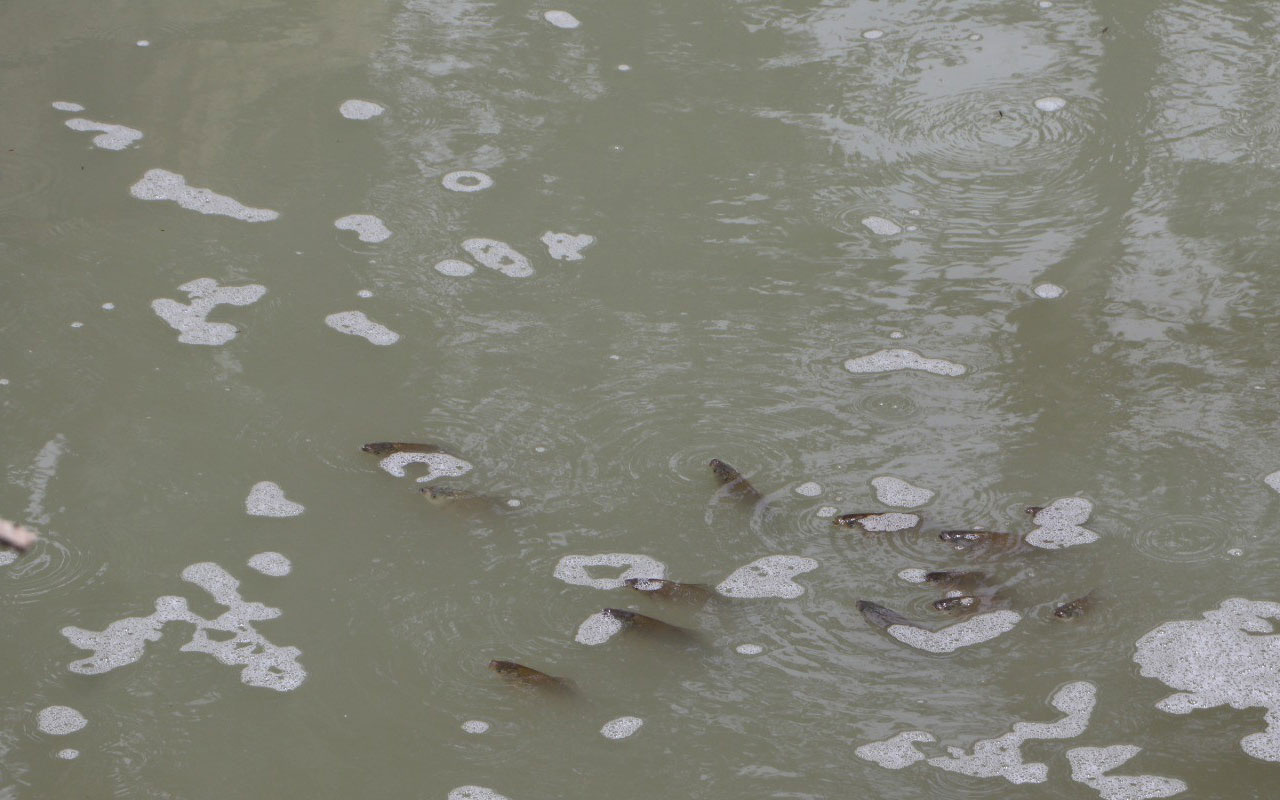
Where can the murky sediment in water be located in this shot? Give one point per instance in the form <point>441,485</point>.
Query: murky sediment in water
<point>1003,270</point>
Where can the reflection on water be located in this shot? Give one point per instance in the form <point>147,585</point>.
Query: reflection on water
<point>910,269</point>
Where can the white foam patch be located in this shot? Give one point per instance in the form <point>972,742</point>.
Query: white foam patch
<point>975,630</point>
<point>264,664</point>
<point>112,137</point>
<point>455,268</point>
<point>1231,657</point>
<point>561,19</point>
<point>143,43</point>
<point>1273,480</point>
<point>1089,766</point>
<point>474,793</point>
<point>1002,756</point>
<point>1049,291</point>
<point>500,256</point>
<point>60,720</point>
<point>889,522</point>
<point>573,569</point>
<point>809,489</point>
<point>7,557</point>
<point>1051,104</point>
<point>913,575</point>
<point>271,563</point>
<point>266,499</point>
<point>466,180</point>
<point>368,227</point>
<point>872,34</point>
<point>364,293</point>
<point>749,649</point>
<point>621,728</point>
<point>624,68</point>
<point>827,512</point>
<point>191,320</point>
<point>768,577</point>
<point>882,226</point>
<point>69,753</point>
<point>896,752</point>
<point>161,184</point>
<point>360,109</point>
<point>475,726</point>
<point>38,477</point>
<point>597,629</point>
<point>567,246</point>
<point>896,492</point>
<point>63,105</point>
<point>1060,524</point>
<point>357,323</point>
<point>897,359</point>
<point>439,465</point>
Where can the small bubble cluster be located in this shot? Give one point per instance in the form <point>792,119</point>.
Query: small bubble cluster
<point>881,226</point>
<point>360,109</point>
<point>898,359</point>
<point>266,499</point>
<point>621,728</point>
<point>60,720</point>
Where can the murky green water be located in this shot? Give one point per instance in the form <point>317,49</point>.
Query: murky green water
<point>772,189</point>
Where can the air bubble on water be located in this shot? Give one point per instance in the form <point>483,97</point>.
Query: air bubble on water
<point>1049,291</point>
<point>597,629</point>
<point>896,334</point>
<point>475,726</point>
<point>573,569</point>
<point>356,323</point>
<point>882,226</point>
<point>77,324</point>
<point>1045,3</point>
<point>68,753</point>
<point>913,575</point>
<point>108,306</point>
<point>975,630</point>
<point>514,503</point>
<point>973,37</point>
<point>365,293</point>
<point>161,184</point>
<point>4,381</point>
<point>809,489</point>
<point>1051,104</point>
<point>466,180</point>
<point>7,557</point>
<point>1272,480</point>
<point>1235,551</point>
<point>896,492</point>
<point>614,357</point>
<point>872,33</point>
<point>63,105</point>
<point>368,227</point>
<point>624,68</point>
<point>539,449</point>
<point>360,109</point>
<point>899,359</point>
<point>828,511</point>
<point>768,577</point>
<point>143,43</point>
<point>60,720</point>
<point>749,649</point>
<point>561,19</point>
<point>621,728</point>
<point>271,563</point>
<point>454,268</point>
<point>913,212</point>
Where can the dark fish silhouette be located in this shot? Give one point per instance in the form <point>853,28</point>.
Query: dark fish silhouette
<point>670,590</point>
<point>733,481</point>
<point>461,498</point>
<point>387,448</point>
<point>1074,608</point>
<point>651,626</point>
<point>528,677</point>
<point>964,602</point>
<point>15,536</point>
<point>955,579</point>
<point>880,617</point>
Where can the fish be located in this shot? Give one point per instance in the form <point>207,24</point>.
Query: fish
<point>15,536</point>
<point>733,481</point>
<point>650,626</point>
<point>1033,510</point>
<point>964,602</point>
<point>1074,608</point>
<point>880,617</point>
<point>955,579</point>
<point>528,677</point>
<point>462,498</point>
<point>670,590</point>
<point>387,448</point>
<point>968,538</point>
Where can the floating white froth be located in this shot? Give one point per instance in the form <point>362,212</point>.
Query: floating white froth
<point>454,268</point>
<point>368,227</point>
<point>1230,658</point>
<point>466,180</point>
<point>912,575</point>
<point>1060,523</point>
<point>1049,291</point>
<point>7,557</point>
<point>768,577</point>
<point>896,752</point>
<point>975,630</point>
<point>828,511</point>
<point>500,256</point>
<point>271,563</point>
<point>597,629</point>
<point>1273,480</point>
<point>112,137</point>
<point>882,226</point>
<point>266,499</point>
<point>889,522</point>
<point>899,358</point>
<point>161,184</point>
<point>621,728</point>
<point>573,569</point>
<point>63,105</point>
<point>357,323</point>
<point>68,753</point>
<point>872,33</point>
<point>749,649</point>
<point>439,465</point>
<point>1002,756</point>
<point>474,793</point>
<point>60,720</point>
<point>561,19</point>
<point>191,320</point>
<point>1089,766</point>
<point>475,726</point>
<point>360,109</point>
<point>809,489</point>
<point>896,492</point>
<point>567,246</point>
<point>1051,104</point>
